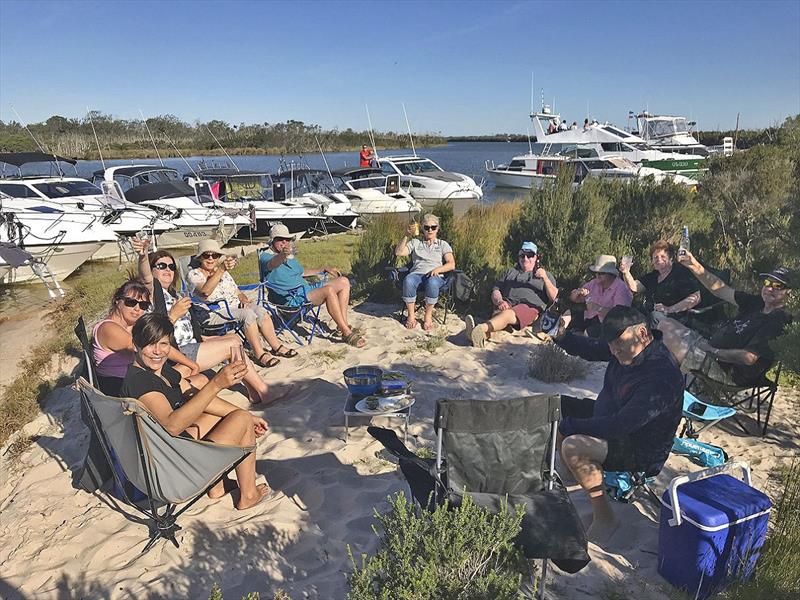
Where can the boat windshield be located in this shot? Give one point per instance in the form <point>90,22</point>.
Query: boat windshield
<point>156,176</point>
<point>417,167</point>
<point>362,183</point>
<point>665,128</point>
<point>243,187</point>
<point>65,189</point>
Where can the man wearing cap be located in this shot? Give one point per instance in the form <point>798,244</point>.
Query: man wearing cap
<point>600,294</point>
<point>631,424</point>
<point>739,353</point>
<point>519,297</point>
<point>365,157</point>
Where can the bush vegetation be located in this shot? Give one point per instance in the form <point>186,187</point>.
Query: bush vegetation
<point>549,363</point>
<point>450,554</point>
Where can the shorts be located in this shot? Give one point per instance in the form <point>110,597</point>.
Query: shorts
<point>526,315</point>
<point>190,350</point>
<point>622,455</point>
<point>697,359</point>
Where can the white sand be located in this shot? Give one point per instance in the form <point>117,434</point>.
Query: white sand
<point>61,542</point>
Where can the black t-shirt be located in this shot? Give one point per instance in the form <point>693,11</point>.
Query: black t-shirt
<point>139,381</point>
<point>751,330</point>
<point>676,286</point>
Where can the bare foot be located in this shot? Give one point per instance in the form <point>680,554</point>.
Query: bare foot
<point>223,488</point>
<point>602,530</point>
<point>246,502</point>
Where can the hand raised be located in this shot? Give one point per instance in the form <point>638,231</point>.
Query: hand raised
<point>140,246</point>
<point>231,374</point>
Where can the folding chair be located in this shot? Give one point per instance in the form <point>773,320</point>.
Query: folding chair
<point>623,486</point>
<point>289,307</point>
<point>498,450</point>
<point>397,274</point>
<point>759,396</point>
<point>168,470</point>
<point>695,411</point>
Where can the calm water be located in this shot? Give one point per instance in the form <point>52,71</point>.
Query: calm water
<point>462,157</point>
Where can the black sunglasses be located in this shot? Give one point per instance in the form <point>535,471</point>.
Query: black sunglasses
<point>131,302</point>
<point>207,255</point>
<point>164,266</point>
<point>528,254</point>
<point>430,227</point>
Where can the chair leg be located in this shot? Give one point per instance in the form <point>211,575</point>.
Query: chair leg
<point>769,401</point>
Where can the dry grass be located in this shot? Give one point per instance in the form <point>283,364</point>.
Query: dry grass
<point>551,364</point>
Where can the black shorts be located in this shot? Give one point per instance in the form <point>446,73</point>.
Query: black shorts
<point>621,455</point>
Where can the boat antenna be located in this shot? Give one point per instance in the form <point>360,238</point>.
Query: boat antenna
<point>238,170</point>
<point>411,137</point>
<point>38,143</point>
<point>532,107</point>
<point>152,139</point>
<point>371,134</point>
<point>542,99</point>
<point>327,168</point>
<point>174,147</point>
<point>96,141</point>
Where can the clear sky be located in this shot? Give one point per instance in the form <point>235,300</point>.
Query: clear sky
<point>460,67</point>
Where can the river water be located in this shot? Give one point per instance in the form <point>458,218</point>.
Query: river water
<point>462,157</point>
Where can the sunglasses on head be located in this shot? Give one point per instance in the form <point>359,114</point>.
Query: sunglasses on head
<point>131,302</point>
<point>430,227</point>
<point>162,266</point>
<point>775,285</point>
<point>209,255</point>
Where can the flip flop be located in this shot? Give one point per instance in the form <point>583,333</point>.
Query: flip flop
<point>289,353</point>
<point>272,362</point>
<point>411,324</point>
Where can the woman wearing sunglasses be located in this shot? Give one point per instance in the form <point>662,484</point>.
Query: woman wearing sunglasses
<point>112,344</point>
<point>157,271</point>
<point>431,258</point>
<point>519,297</point>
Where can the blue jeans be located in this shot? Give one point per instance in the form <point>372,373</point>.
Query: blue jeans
<point>413,281</point>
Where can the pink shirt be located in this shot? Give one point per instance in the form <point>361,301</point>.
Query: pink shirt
<point>110,363</point>
<point>617,293</point>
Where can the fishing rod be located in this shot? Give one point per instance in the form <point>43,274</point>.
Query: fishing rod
<point>152,139</point>
<point>174,147</point>
<point>325,160</point>
<point>96,141</point>
<point>411,137</point>
<point>371,134</point>
<point>221,147</point>
<point>38,144</point>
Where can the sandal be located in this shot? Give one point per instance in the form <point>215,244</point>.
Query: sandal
<point>289,352</point>
<point>272,362</point>
<point>355,339</point>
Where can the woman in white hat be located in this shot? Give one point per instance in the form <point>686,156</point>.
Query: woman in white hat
<point>599,295</point>
<point>212,281</point>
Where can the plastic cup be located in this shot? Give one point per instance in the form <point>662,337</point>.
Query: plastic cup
<point>237,354</point>
<point>415,228</point>
<point>626,262</point>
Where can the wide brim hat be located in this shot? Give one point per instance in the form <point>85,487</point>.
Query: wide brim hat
<point>605,263</point>
<point>279,230</point>
<point>208,245</point>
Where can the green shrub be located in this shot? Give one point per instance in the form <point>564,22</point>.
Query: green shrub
<point>549,363</point>
<point>460,554</point>
<point>374,252</point>
<point>444,210</point>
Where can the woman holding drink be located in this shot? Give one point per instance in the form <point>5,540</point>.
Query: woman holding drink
<point>157,272</point>
<point>212,281</point>
<point>203,416</point>
<point>599,295</point>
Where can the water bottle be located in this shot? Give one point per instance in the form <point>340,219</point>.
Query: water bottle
<point>684,245</point>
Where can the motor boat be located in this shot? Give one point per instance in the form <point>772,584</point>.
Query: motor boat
<point>370,192</point>
<point>56,241</point>
<point>622,169</point>
<point>425,180</point>
<point>669,134</point>
<point>162,190</point>
<point>75,194</point>
<point>599,140</point>
<point>258,195</point>
<point>315,187</point>
<point>525,171</point>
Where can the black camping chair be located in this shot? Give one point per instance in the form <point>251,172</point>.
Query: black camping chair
<point>446,297</point>
<point>710,311</point>
<point>498,449</point>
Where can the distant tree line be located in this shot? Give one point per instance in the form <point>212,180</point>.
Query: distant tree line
<point>125,138</point>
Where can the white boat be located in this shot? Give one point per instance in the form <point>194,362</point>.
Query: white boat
<point>163,190</point>
<point>525,171</point>
<point>425,180</point>
<point>75,194</point>
<point>60,240</point>
<point>669,134</point>
<point>255,193</point>
<point>370,192</point>
<point>315,187</point>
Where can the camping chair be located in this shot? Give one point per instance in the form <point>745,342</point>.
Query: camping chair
<point>169,470</point>
<point>498,450</point>
<point>695,411</point>
<point>759,396</point>
<point>710,311</point>
<point>446,298</point>
<point>623,486</point>
<point>290,307</point>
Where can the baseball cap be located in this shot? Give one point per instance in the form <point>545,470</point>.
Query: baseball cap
<point>781,274</point>
<point>529,247</point>
<point>618,319</point>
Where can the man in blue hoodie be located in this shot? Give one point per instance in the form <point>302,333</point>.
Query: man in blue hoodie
<point>632,423</point>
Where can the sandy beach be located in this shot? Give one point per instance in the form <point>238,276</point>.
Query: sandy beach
<point>60,542</point>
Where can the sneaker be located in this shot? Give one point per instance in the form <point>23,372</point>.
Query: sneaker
<point>470,321</point>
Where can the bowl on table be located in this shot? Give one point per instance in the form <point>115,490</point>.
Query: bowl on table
<point>363,380</point>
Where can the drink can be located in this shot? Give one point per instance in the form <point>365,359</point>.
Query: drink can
<point>415,228</point>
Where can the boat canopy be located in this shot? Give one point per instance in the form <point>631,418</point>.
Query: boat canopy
<point>226,172</point>
<point>159,191</point>
<point>23,158</point>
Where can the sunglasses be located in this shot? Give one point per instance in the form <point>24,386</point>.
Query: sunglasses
<point>210,255</point>
<point>775,285</point>
<point>131,302</point>
<point>430,227</point>
<point>527,254</point>
<point>164,266</point>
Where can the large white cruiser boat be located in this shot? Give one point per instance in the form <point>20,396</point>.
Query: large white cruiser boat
<point>370,192</point>
<point>163,190</point>
<point>258,195</point>
<point>425,180</point>
<point>669,134</point>
<point>315,187</point>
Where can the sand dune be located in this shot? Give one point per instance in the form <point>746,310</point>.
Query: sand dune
<point>59,542</point>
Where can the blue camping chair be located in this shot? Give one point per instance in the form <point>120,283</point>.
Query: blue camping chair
<point>696,412</point>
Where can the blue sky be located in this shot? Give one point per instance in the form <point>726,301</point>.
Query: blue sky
<point>460,67</point>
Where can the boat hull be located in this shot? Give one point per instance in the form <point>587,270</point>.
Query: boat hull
<point>62,261</point>
<point>296,227</point>
<point>190,236</point>
<point>518,179</point>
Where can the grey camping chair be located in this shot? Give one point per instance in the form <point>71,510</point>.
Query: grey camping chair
<point>498,449</point>
<point>168,470</point>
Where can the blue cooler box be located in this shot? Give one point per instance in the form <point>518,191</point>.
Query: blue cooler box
<point>717,536</point>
